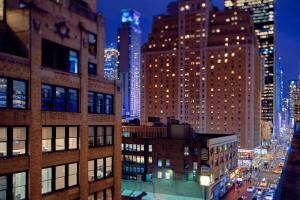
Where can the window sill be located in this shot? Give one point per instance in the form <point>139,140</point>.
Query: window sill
<point>60,190</point>
<point>59,151</point>
<point>60,71</point>
<point>90,113</point>
<point>15,156</point>
<point>102,146</point>
<point>59,111</point>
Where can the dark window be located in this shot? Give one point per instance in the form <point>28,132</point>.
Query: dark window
<point>92,69</point>
<point>59,57</point>
<point>100,168</point>
<point>13,141</point>
<point>92,44</point>
<point>100,136</point>
<point>13,186</point>
<point>100,103</point>
<point>91,100</point>
<point>73,100</point>
<point>13,93</point>
<point>60,138</point>
<point>59,177</point>
<point>108,104</point>
<point>59,99</point>
<point>47,98</point>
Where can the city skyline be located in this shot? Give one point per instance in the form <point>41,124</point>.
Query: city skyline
<point>287,38</point>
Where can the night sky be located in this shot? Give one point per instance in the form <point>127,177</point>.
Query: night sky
<point>287,26</point>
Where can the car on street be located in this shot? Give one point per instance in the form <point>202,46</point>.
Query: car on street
<point>242,198</point>
<point>250,189</point>
<point>271,189</point>
<point>259,191</point>
<point>263,183</point>
<point>269,196</point>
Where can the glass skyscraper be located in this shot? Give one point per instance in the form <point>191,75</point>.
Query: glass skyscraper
<point>129,70</point>
<point>111,63</point>
<point>263,13</point>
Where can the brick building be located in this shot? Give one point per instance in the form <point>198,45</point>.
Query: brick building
<point>174,161</point>
<point>60,120</point>
<point>190,63</point>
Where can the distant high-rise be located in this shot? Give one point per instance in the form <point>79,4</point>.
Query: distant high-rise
<point>292,101</point>
<point>202,67</point>
<point>129,70</point>
<point>279,96</point>
<point>263,14</point>
<point>111,63</point>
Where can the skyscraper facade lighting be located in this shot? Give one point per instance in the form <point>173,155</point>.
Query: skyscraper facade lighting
<point>111,63</point>
<point>263,14</point>
<point>129,70</point>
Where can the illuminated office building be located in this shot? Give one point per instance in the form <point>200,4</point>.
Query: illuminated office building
<point>111,63</point>
<point>129,70</point>
<point>263,15</point>
<point>279,96</point>
<point>292,101</point>
<point>190,64</point>
<point>59,119</point>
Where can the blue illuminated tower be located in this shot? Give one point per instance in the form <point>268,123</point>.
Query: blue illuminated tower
<point>129,70</point>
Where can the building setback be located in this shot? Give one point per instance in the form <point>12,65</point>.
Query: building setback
<point>174,161</point>
<point>189,64</point>
<point>263,17</point>
<point>129,71</point>
<point>60,120</point>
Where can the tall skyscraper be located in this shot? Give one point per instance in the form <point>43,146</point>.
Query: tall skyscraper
<point>190,63</point>
<point>279,96</point>
<point>263,15</point>
<point>59,120</point>
<point>129,46</point>
<point>292,101</point>
<point>111,63</point>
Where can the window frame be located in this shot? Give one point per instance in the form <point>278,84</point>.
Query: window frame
<point>95,135</point>
<point>9,93</point>
<point>95,170</point>
<point>66,99</point>
<point>58,48</point>
<point>103,108</point>
<point>90,45</point>
<point>104,192</point>
<point>9,184</point>
<point>91,72</point>
<point>9,141</point>
<point>66,139</point>
<point>66,178</point>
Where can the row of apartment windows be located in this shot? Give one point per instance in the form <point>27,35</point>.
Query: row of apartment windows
<point>14,140</point>
<point>14,94</point>
<point>100,168</point>
<point>133,147</point>
<point>55,178</point>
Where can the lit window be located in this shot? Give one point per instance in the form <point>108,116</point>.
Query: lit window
<point>159,163</point>
<point>159,174</point>
<point>2,12</point>
<point>13,141</point>
<point>46,180</point>
<point>150,147</point>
